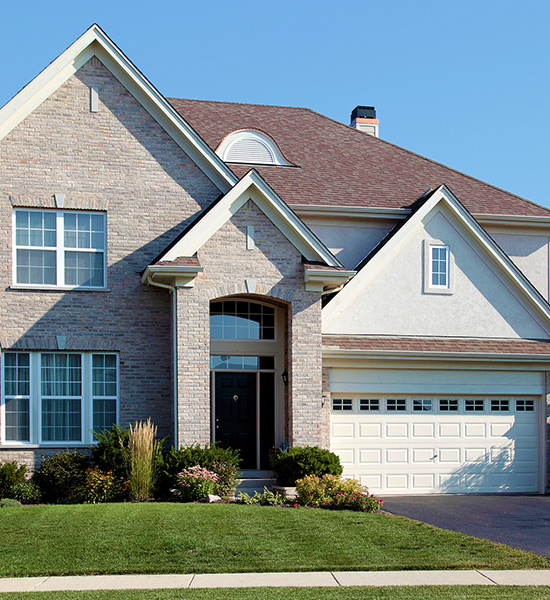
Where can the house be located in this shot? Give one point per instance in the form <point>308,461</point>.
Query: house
<point>255,275</point>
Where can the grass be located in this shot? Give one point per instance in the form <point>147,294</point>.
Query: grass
<point>352,593</point>
<point>224,538</point>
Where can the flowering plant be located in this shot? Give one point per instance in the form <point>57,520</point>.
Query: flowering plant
<point>102,486</point>
<point>195,483</point>
<point>330,491</point>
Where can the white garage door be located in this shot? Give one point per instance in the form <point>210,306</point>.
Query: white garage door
<point>428,444</point>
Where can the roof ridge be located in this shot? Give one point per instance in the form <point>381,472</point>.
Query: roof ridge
<point>240,103</point>
<point>430,160</point>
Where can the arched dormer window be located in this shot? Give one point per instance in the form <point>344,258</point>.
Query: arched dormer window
<point>251,147</point>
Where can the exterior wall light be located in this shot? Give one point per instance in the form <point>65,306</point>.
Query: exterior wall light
<point>284,375</point>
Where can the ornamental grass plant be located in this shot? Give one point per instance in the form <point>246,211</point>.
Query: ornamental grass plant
<point>143,450</point>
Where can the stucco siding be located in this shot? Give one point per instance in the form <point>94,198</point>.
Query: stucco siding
<point>394,301</point>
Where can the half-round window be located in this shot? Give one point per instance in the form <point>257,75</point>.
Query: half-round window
<point>251,147</point>
<point>237,320</point>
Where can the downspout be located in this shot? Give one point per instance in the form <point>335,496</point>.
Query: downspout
<point>333,290</point>
<point>172,290</point>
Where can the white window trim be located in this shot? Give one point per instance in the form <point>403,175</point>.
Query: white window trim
<point>35,402</point>
<point>429,288</point>
<point>59,250</point>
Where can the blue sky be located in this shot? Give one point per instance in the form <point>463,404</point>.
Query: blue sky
<point>464,83</point>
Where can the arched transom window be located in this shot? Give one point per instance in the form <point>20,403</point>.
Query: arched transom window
<point>240,320</point>
<point>251,147</point>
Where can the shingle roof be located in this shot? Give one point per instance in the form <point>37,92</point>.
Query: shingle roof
<point>340,166</point>
<point>450,345</point>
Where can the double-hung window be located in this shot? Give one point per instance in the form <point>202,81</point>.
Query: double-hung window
<point>54,248</point>
<point>438,266</point>
<point>58,397</point>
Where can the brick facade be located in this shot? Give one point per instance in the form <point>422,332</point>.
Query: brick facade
<point>117,160</point>
<point>277,270</point>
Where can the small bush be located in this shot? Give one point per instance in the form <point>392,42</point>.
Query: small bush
<point>11,474</point>
<point>222,461</point>
<point>26,492</point>
<point>9,503</point>
<point>60,476</point>
<point>196,483</point>
<point>102,486</point>
<point>298,462</point>
<point>330,491</point>
<point>266,498</point>
<point>110,453</point>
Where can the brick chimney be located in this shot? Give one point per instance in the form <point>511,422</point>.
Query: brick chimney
<point>364,119</point>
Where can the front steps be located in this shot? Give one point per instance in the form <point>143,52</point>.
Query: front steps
<point>254,481</point>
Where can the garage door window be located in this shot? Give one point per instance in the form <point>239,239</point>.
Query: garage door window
<point>500,405</point>
<point>474,405</point>
<point>342,404</point>
<point>423,405</point>
<point>448,405</point>
<point>525,405</point>
<point>396,404</point>
<point>369,404</point>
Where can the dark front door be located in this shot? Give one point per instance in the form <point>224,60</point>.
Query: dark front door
<point>235,399</point>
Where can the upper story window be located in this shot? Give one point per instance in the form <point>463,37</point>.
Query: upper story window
<point>437,268</point>
<point>236,320</point>
<point>251,147</point>
<point>55,248</point>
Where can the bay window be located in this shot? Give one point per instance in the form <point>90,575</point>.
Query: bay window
<point>54,248</point>
<point>53,398</point>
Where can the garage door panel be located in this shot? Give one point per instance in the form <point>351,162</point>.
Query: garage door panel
<point>423,455</point>
<point>370,430</point>
<point>343,430</point>
<point>430,451</point>
<point>397,430</point>
<point>475,430</point>
<point>372,456</point>
<point>449,430</point>
<point>397,455</point>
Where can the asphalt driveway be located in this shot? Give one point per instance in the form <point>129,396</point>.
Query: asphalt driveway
<point>519,521</point>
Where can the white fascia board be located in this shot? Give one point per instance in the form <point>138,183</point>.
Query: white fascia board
<point>513,220</point>
<point>253,187</point>
<point>514,275</point>
<point>338,353</point>
<point>95,42</point>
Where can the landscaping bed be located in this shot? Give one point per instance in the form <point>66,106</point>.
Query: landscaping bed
<point>228,538</point>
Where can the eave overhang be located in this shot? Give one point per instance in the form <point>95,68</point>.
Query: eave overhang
<point>171,276</point>
<point>325,280</point>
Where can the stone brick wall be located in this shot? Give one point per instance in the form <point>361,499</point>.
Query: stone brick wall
<point>117,160</point>
<point>276,268</point>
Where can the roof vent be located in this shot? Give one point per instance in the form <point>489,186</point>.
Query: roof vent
<point>250,146</point>
<point>364,119</point>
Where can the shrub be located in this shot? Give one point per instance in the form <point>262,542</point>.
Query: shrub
<point>110,453</point>
<point>102,486</point>
<point>196,483</point>
<point>60,476</point>
<point>143,449</point>
<point>26,492</point>
<point>298,462</point>
<point>332,492</point>
<point>266,498</point>
<point>222,461</point>
<point>11,474</point>
<point>9,503</point>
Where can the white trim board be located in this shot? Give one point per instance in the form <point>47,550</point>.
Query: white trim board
<point>501,262</point>
<point>95,42</point>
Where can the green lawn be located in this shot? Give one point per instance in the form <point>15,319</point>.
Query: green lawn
<point>352,593</point>
<point>225,538</point>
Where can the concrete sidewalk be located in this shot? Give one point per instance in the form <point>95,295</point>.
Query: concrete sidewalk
<point>241,580</point>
